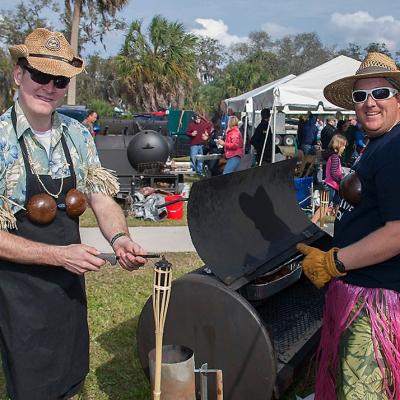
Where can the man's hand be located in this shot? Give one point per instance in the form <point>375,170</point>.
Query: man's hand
<point>77,258</point>
<point>194,133</point>
<point>319,266</point>
<point>204,136</point>
<point>129,253</point>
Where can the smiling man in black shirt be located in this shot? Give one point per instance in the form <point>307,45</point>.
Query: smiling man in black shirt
<point>359,353</point>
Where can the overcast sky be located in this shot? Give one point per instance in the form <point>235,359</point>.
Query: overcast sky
<point>338,22</point>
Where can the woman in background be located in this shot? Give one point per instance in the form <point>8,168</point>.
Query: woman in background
<point>333,171</point>
<point>233,146</point>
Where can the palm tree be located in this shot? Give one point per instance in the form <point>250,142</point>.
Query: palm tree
<point>159,68</point>
<point>105,8</point>
<point>7,82</point>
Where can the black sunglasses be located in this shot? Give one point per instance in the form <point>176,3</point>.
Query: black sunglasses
<point>381,93</point>
<point>60,82</point>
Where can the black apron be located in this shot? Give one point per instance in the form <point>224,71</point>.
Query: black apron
<point>43,317</point>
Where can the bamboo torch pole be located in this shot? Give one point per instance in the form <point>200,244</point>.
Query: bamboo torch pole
<point>161,295</point>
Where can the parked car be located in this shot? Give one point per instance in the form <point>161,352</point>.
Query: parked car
<point>139,122</point>
<point>79,113</point>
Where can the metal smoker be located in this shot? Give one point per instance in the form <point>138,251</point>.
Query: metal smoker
<point>248,311</point>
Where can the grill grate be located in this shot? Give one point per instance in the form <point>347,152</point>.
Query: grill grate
<point>292,317</point>
<point>155,167</point>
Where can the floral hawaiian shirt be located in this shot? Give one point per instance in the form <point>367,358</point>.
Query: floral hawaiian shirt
<point>12,168</point>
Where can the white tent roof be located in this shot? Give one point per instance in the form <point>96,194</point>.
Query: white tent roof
<point>306,90</point>
<point>261,94</point>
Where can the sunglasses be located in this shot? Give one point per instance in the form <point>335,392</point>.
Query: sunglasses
<point>378,94</point>
<point>60,82</point>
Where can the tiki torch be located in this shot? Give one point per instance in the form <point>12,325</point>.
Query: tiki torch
<point>161,294</point>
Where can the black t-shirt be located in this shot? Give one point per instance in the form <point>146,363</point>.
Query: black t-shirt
<point>258,139</point>
<point>379,171</point>
<point>326,135</point>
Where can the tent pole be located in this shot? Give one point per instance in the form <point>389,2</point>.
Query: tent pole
<point>273,133</point>
<point>265,141</point>
<point>253,124</point>
<point>273,136</point>
<point>245,133</point>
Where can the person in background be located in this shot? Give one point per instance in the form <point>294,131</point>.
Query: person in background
<point>247,145</point>
<point>320,125</point>
<point>309,135</point>
<point>333,170</point>
<point>49,173</point>
<point>233,146</point>
<point>359,140</point>
<point>359,352</point>
<point>225,120</point>
<point>300,130</point>
<point>342,126</point>
<point>347,158</point>
<point>258,139</point>
<point>212,146</point>
<point>89,121</point>
<point>328,132</point>
<point>198,132</point>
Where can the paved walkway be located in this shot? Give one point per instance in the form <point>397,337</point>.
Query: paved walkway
<point>152,239</point>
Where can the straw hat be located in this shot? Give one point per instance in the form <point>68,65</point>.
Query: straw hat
<point>48,52</point>
<point>375,65</point>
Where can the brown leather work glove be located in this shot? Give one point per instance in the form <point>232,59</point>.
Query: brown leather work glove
<point>319,266</point>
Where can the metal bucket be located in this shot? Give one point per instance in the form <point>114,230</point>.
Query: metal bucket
<point>177,373</point>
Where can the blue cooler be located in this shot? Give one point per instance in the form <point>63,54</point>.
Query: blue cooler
<point>303,190</point>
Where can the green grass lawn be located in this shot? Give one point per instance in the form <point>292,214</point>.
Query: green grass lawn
<point>115,300</point>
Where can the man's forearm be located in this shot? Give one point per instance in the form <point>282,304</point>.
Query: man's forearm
<point>109,215</point>
<point>23,251</point>
<point>375,248</point>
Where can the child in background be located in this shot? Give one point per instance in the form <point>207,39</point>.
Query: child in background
<point>333,171</point>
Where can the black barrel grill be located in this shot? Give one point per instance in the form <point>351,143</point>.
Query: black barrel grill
<point>248,311</point>
<point>138,161</point>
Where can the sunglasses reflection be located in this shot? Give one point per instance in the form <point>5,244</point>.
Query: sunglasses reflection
<point>381,93</point>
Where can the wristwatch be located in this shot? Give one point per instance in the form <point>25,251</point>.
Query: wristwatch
<point>338,264</point>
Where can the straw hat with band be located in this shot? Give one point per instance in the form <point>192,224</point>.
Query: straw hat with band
<point>375,65</point>
<point>48,52</point>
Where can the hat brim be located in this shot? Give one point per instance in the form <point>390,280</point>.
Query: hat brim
<point>46,65</point>
<point>339,92</point>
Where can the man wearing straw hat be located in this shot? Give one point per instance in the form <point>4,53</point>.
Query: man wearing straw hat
<point>359,353</point>
<point>49,171</point>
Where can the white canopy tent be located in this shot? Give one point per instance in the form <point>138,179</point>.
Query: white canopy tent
<point>238,103</point>
<point>305,92</point>
<point>300,93</point>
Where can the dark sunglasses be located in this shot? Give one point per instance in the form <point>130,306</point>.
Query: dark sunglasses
<point>60,82</point>
<point>381,93</point>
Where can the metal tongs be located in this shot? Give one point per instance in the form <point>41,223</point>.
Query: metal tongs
<point>112,258</point>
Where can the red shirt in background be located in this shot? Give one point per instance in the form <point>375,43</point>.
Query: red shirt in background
<point>201,128</point>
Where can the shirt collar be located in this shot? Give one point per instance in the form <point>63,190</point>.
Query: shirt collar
<point>58,125</point>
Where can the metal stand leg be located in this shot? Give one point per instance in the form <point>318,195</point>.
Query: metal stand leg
<point>203,371</point>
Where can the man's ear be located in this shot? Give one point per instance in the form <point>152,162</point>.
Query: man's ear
<point>18,73</point>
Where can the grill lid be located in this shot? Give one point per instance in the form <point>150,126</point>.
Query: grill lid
<point>247,223</point>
